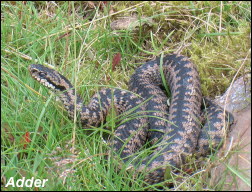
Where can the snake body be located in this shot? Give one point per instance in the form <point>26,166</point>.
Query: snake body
<point>176,129</point>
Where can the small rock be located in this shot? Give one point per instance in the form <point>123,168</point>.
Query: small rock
<point>238,95</point>
<point>130,23</point>
<point>235,171</point>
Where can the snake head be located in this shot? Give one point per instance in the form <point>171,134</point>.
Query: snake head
<point>49,77</point>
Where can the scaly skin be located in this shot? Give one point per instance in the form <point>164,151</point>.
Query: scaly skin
<point>177,129</point>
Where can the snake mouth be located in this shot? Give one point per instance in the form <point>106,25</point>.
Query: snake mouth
<point>45,82</point>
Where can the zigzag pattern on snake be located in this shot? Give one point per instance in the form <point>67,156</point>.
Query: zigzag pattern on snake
<point>177,128</point>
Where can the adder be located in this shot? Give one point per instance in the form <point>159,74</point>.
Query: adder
<point>176,129</point>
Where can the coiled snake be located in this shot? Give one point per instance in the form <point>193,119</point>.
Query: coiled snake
<point>178,133</point>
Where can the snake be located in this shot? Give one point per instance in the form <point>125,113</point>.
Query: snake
<point>178,130</point>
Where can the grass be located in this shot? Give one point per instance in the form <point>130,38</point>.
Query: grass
<point>76,39</point>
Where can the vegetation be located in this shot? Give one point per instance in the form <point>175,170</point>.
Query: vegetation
<point>77,39</point>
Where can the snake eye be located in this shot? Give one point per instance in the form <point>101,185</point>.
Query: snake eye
<point>42,74</point>
<point>33,70</point>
